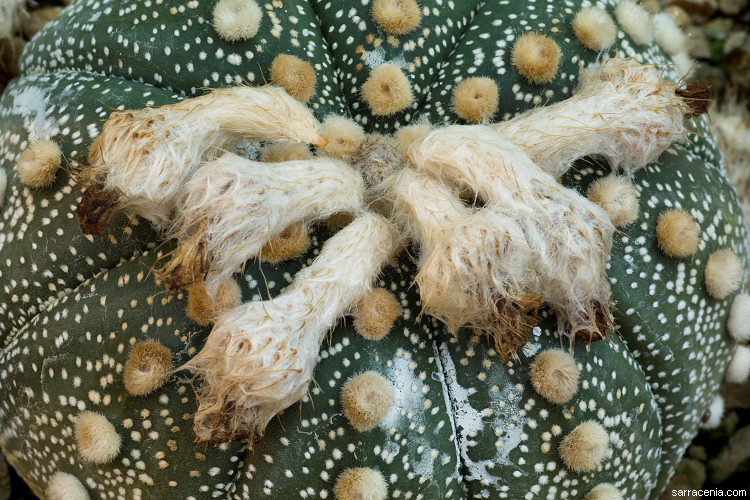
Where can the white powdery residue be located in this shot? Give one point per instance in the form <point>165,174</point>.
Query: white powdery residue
<point>377,57</point>
<point>29,104</point>
<point>529,350</point>
<point>407,404</point>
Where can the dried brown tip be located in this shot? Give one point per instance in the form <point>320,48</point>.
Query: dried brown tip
<point>216,426</point>
<point>511,322</point>
<point>189,264</point>
<point>696,97</point>
<point>96,209</point>
<point>600,318</point>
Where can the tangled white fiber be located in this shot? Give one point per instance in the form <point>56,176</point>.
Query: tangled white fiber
<point>623,112</point>
<point>232,207</point>
<point>566,237</point>
<point>260,356</point>
<point>142,158</point>
<point>475,266</point>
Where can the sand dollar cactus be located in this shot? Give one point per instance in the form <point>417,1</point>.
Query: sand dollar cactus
<point>455,143</point>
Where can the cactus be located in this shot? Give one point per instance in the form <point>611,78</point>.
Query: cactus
<point>424,411</point>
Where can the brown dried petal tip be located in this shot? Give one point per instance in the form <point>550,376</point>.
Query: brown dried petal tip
<point>96,209</point>
<point>696,97</point>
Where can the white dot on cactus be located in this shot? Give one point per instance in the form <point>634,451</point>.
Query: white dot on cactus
<point>475,99</point>
<point>738,323</point>
<point>397,17</point>
<point>723,274</point>
<point>98,441</point>
<point>387,90</point>
<point>635,21</point>
<point>554,375</point>
<point>739,368</point>
<point>604,491</point>
<point>294,75</point>
<point>585,447</point>
<point>344,136</point>
<point>375,314</point>
<point>618,197</point>
<point>536,57</point>
<point>148,366</point>
<point>668,35</point>
<point>291,243</point>
<point>64,486</point>
<point>284,151</point>
<point>204,308</point>
<point>366,398</point>
<point>361,483</point>
<point>38,165</point>
<point>712,418</point>
<point>595,28</point>
<point>677,233</point>
<point>236,20</point>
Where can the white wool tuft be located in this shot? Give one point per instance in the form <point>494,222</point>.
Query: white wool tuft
<point>568,237</point>
<point>260,356</point>
<point>3,185</point>
<point>636,21</point>
<point>738,323</point>
<point>594,28</point>
<point>739,367</point>
<point>147,155</point>
<point>233,206</point>
<point>714,413</point>
<point>64,486</point>
<point>474,266</point>
<point>236,20</point>
<point>668,35</point>
<point>617,196</point>
<point>624,112</point>
<point>684,64</point>
<point>604,491</point>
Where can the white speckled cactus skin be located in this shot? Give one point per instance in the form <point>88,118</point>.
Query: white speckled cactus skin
<point>463,425</point>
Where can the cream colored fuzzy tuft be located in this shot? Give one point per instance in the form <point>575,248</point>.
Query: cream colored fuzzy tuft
<point>554,375</point>
<point>604,491</point>
<point>204,308</point>
<point>361,484</point>
<point>236,20</point>
<point>232,207</point>
<point>723,274</point>
<point>635,21</point>
<point>38,165</point>
<point>585,448</point>
<point>64,486</point>
<point>474,267</point>
<point>668,35</point>
<point>291,243</point>
<point>738,323</point>
<point>556,242</point>
<point>714,413</point>
<point>406,136</point>
<point>397,17</point>
<point>377,159</point>
<point>536,57</point>
<point>739,367</point>
<point>148,367</point>
<point>684,64</point>
<point>344,136</point>
<point>595,28</point>
<point>98,441</point>
<point>3,185</point>
<point>142,159</point>
<point>276,152</point>
<point>475,99</point>
<point>294,75</point>
<point>677,233</point>
<point>366,398</point>
<point>387,90</point>
<point>375,314</point>
<point>260,356</point>
<point>649,117</point>
<point>618,197</point>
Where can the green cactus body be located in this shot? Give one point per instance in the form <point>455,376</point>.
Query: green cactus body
<point>463,425</point>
